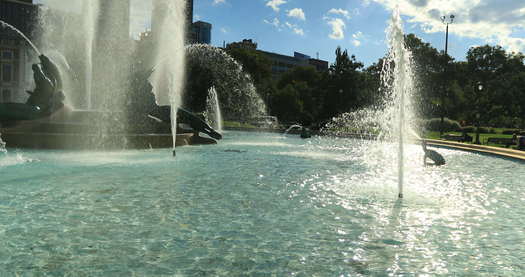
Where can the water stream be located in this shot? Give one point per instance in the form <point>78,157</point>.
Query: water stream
<point>401,89</point>
<point>90,24</point>
<point>393,120</point>
<point>168,78</point>
<point>291,128</point>
<point>213,110</point>
<point>5,24</point>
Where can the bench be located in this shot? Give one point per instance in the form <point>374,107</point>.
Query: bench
<point>458,138</point>
<point>503,141</point>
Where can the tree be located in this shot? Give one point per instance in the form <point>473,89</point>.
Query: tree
<point>345,83</point>
<point>287,105</point>
<point>253,62</point>
<point>308,84</point>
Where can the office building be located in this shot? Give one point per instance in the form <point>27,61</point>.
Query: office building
<point>15,52</point>
<point>282,63</point>
<point>202,32</point>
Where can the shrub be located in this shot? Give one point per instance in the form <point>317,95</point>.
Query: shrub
<point>469,129</point>
<point>510,131</point>
<point>449,125</point>
<point>484,130</point>
<point>487,130</point>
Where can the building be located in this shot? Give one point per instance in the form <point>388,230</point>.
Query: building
<point>245,44</point>
<point>320,65</point>
<point>202,32</point>
<point>189,13</point>
<point>282,63</point>
<point>15,53</point>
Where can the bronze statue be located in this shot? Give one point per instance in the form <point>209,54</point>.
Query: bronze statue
<point>45,99</point>
<point>47,95</point>
<point>437,159</point>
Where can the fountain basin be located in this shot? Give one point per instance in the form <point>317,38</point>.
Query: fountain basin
<point>87,141</point>
<point>260,204</point>
<point>73,129</point>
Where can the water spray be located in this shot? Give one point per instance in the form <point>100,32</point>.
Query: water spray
<point>5,24</point>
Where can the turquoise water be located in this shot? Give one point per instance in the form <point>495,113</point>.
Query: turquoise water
<point>260,205</point>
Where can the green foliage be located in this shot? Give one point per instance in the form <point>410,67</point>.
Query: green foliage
<point>510,131</point>
<point>469,129</point>
<point>449,125</point>
<point>253,62</point>
<point>235,124</point>
<point>445,87</point>
<point>287,104</point>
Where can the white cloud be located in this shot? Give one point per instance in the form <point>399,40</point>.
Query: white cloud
<point>297,13</point>
<point>218,2</point>
<point>274,4</point>
<point>275,22</point>
<point>296,29</point>
<point>338,28</point>
<point>357,38</point>
<point>342,12</point>
<point>493,21</point>
<point>224,30</point>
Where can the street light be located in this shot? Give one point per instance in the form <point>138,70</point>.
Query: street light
<point>480,89</point>
<point>446,20</point>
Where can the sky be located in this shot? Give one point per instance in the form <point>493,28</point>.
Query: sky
<point>319,26</point>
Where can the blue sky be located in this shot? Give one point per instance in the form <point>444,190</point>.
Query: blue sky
<point>285,30</point>
<point>319,26</point>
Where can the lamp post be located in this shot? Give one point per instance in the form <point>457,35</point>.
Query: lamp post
<point>479,88</point>
<point>446,20</point>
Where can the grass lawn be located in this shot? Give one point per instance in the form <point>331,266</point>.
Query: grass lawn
<point>235,124</point>
<point>483,137</point>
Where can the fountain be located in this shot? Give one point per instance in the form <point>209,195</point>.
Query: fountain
<point>122,119</point>
<point>393,120</point>
<point>168,77</point>
<point>213,112</point>
<point>294,126</point>
<point>90,20</point>
<point>235,90</point>
<point>255,204</point>
<point>7,25</point>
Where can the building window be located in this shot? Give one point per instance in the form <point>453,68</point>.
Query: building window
<point>6,95</point>
<point>6,71</point>
<point>7,55</point>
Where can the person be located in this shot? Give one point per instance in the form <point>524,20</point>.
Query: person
<point>432,155</point>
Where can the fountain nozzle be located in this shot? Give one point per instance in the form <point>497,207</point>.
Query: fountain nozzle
<point>174,153</point>
<point>400,196</point>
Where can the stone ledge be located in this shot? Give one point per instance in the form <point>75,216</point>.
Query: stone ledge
<point>498,151</point>
<point>89,141</point>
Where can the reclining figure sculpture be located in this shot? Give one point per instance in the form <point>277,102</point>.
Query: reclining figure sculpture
<point>437,158</point>
<point>48,98</point>
<point>44,100</point>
